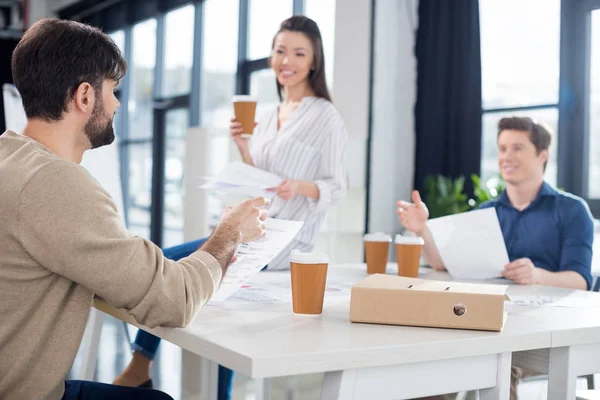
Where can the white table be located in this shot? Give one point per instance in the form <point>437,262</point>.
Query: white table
<point>575,348</point>
<point>359,360</point>
<point>575,338</point>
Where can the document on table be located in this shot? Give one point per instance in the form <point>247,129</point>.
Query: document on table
<point>252,257</point>
<point>281,292</point>
<point>471,244</point>
<point>553,301</point>
<point>243,179</point>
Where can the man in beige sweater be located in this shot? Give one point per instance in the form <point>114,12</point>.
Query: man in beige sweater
<point>61,238</point>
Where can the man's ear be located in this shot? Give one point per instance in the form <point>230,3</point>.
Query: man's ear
<point>544,156</point>
<point>84,98</point>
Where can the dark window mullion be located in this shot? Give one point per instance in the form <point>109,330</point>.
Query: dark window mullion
<point>242,76</point>
<point>158,141</point>
<point>520,108</point>
<point>256,65</point>
<point>195,97</point>
<point>128,142</point>
<point>298,7</point>
<point>124,124</point>
<point>170,103</point>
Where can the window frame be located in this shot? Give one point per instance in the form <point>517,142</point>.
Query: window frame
<point>113,16</point>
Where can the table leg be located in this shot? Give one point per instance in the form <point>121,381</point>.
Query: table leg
<point>339,385</point>
<point>502,388</point>
<point>562,377</point>
<point>91,342</point>
<point>262,388</point>
<point>199,377</point>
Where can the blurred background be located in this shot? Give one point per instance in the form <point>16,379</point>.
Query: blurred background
<point>421,85</point>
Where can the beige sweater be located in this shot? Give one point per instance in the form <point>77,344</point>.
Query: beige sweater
<point>61,242</point>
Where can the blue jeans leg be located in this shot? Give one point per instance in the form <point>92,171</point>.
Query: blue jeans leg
<point>83,390</point>
<point>225,383</point>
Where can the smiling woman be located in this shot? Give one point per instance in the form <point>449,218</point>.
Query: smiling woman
<point>302,139</point>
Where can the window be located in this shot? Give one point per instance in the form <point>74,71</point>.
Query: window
<point>173,79</point>
<point>142,80</point>
<point>119,38</point>
<point>175,129</point>
<point>265,18</point>
<point>179,39</point>
<point>138,138</point>
<point>323,13</point>
<point>219,62</point>
<point>520,70</point>
<point>594,110</point>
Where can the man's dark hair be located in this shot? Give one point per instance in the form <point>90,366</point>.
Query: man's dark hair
<point>539,133</point>
<point>54,57</point>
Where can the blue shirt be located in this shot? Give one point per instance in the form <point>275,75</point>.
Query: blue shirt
<point>555,231</point>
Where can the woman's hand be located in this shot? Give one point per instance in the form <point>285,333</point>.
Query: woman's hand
<point>236,130</point>
<point>288,189</point>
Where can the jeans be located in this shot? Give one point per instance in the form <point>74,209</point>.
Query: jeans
<point>83,390</point>
<point>147,344</point>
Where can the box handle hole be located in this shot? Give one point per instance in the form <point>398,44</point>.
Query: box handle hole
<point>459,310</point>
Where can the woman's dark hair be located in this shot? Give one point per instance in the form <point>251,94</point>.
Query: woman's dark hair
<point>316,76</point>
<point>54,57</point>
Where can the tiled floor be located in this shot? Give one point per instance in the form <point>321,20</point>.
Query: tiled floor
<point>114,354</point>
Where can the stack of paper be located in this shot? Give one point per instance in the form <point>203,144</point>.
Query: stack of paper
<point>243,179</point>
<point>471,244</point>
<point>254,256</point>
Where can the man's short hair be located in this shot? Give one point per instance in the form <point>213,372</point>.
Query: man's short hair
<point>539,133</point>
<point>54,57</point>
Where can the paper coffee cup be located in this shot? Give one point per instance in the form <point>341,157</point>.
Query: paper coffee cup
<point>377,247</point>
<point>408,255</point>
<point>309,276</point>
<point>244,108</point>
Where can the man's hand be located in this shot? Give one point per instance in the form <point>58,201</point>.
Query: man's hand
<point>243,223</point>
<point>522,271</point>
<point>413,215</point>
<point>288,189</point>
<point>247,219</point>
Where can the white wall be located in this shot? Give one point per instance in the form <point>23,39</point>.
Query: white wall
<point>46,8</point>
<point>38,9</point>
<point>342,231</point>
<point>394,95</point>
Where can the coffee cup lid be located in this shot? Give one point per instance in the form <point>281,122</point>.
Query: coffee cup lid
<point>308,258</point>
<point>409,240</point>
<point>241,98</point>
<point>377,237</point>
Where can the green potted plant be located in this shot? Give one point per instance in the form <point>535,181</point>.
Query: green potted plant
<point>446,196</point>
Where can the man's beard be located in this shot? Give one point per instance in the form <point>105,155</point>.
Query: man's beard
<point>99,131</point>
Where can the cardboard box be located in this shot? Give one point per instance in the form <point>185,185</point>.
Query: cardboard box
<point>395,300</point>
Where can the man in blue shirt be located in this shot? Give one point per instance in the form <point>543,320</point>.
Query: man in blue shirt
<point>548,233</point>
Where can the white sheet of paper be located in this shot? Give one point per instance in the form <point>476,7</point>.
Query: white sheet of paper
<point>471,244</point>
<point>252,257</point>
<point>243,179</point>
<point>553,301</point>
